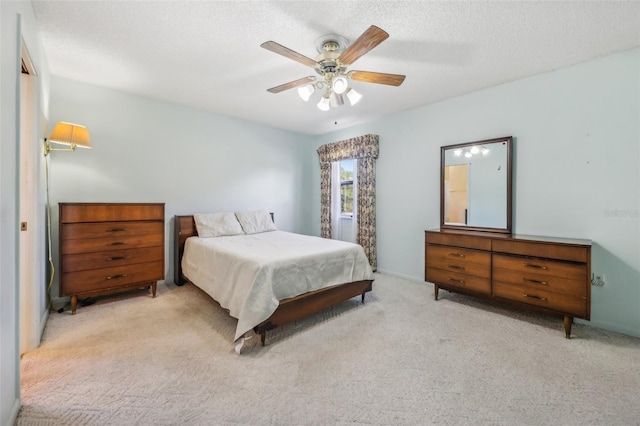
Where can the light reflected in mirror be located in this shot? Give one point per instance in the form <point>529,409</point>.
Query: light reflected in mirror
<point>476,185</point>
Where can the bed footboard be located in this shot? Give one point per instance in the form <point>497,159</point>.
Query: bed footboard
<point>306,304</point>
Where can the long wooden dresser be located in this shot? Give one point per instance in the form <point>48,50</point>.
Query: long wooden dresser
<point>548,274</point>
<point>110,247</point>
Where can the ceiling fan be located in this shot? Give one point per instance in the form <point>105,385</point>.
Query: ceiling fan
<point>331,64</point>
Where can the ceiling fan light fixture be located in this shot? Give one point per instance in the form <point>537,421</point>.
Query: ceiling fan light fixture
<point>335,56</point>
<point>354,97</point>
<point>324,104</point>
<point>340,85</point>
<point>305,92</point>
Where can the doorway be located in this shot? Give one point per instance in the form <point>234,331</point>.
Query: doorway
<point>29,261</point>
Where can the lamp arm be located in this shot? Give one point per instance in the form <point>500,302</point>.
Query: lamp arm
<point>48,149</point>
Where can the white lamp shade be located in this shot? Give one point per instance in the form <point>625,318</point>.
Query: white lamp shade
<point>71,134</point>
<point>305,91</point>
<point>340,85</point>
<point>324,104</point>
<point>353,96</point>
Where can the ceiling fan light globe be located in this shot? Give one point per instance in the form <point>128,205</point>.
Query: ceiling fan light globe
<point>354,97</point>
<point>340,85</point>
<point>324,104</point>
<point>305,92</point>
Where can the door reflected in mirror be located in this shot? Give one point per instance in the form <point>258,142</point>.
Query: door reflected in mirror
<point>456,193</point>
<point>476,185</point>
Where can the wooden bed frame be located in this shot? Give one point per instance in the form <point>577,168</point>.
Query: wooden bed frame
<point>290,309</point>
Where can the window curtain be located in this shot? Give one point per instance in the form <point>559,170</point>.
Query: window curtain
<point>336,211</point>
<point>364,149</point>
<point>354,218</point>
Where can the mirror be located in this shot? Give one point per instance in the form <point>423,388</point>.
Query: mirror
<point>475,185</point>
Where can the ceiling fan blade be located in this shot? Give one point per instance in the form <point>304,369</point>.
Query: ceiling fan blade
<point>292,84</point>
<point>377,77</point>
<point>372,37</point>
<point>288,53</point>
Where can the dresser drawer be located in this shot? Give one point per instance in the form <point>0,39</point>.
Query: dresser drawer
<point>111,243</point>
<point>537,281</point>
<point>108,259</point>
<point>103,279</point>
<point>563,303</point>
<point>109,229</point>
<point>458,240</point>
<point>541,267</point>
<point>546,250</point>
<point>459,280</point>
<point>110,212</point>
<point>454,259</point>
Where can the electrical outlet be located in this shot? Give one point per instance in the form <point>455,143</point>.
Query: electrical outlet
<point>597,280</point>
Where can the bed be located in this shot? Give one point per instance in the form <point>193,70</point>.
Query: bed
<point>268,279</point>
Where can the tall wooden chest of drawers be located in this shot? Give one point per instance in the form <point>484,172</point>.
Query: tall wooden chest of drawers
<point>110,247</point>
<point>548,274</point>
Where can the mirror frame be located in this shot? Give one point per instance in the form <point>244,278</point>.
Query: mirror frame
<point>507,228</point>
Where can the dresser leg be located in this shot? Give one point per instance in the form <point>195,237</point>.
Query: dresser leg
<point>153,289</point>
<point>567,326</point>
<point>435,291</point>
<point>74,304</point>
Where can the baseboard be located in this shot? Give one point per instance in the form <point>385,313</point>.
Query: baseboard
<point>43,323</point>
<point>61,302</point>
<point>403,276</point>
<point>609,327</point>
<point>13,414</point>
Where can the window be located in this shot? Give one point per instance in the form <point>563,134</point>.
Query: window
<point>346,187</point>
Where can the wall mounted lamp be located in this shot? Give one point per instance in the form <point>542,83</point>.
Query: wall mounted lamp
<point>72,135</point>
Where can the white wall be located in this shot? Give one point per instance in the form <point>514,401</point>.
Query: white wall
<point>194,161</point>
<point>576,171</point>
<point>17,22</point>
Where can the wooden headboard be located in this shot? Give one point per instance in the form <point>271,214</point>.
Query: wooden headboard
<point>184,227</point>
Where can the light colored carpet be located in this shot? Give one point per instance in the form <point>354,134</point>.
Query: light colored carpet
<point>401,358</point>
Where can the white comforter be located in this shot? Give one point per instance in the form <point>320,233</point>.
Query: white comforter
<point>250,274</point>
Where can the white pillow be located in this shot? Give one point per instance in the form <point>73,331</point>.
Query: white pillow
<point>217,224</point>
<point>256,221</point>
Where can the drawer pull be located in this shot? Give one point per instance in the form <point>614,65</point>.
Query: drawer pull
<point>117,230</point>
<point>457,281</point>
<point>459,268</point>
<point>118,243</point>
<point>535,297</point>
<point>456,254</point>
<point>529,265</point>
<point>113,277</point>
<point>527,280</point>
<point>117,258</point>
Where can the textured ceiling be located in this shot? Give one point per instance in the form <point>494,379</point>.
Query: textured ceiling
<point>206,54</point>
